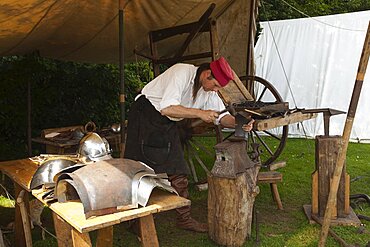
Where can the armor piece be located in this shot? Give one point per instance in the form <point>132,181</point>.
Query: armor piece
<point>128,183</point>
<point>46,171</point>
<point>94,148</point>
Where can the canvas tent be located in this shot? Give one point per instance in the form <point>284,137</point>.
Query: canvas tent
<point>320,57</point>
<point>87,31</point>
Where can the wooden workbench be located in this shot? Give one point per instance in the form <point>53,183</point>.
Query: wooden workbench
<point>70,224</point>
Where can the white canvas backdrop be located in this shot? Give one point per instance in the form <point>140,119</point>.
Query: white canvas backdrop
<point>320,57</point>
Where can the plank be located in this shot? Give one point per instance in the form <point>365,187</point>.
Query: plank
<point>63,231</point>
<point>105,237</point>
<point>269,177</point>
<point>25,218</point>
<point>20,239</point>
<point>266,124</point>
<point>19,171</point>
<point>80,239</point>
<point>326,157</point>
<point>148,233</point>
<point>235,92</point>
<point>315,192</point>
<point>72,211</point>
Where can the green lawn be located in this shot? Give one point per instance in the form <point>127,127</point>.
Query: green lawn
<point>276,228</point>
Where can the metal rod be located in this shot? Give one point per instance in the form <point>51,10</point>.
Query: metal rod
<point>345,138</point>
<point>122,78</point>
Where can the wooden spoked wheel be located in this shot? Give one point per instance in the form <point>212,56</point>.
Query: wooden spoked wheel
<point>263,146</point>
<point>266,145</point>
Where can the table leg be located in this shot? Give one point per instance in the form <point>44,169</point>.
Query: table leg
<point>105,237</point>
<point>20,240</point>
<point>80,239</point>
<point>148,233</point>
<point>63,231</point>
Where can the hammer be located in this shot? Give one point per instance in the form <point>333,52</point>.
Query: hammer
<point>229,108</point>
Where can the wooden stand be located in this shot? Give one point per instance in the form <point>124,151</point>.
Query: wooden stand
<point>230,201</point>
<point>326,155</point>
<point>272,178</point>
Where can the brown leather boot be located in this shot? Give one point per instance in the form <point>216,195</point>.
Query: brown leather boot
<point>191,224</point>
<point>184,220</point>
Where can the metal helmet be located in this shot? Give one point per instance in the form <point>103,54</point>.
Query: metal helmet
<point>94,148</point>
<point>47,169</point>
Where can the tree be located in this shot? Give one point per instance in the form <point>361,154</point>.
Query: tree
<point>289,9</point>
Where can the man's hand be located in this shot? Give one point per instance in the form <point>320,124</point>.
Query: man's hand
<point>249,126</point>
<point>208,116</point>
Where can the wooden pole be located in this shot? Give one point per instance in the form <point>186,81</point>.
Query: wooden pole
<point>25,219</point>
<point>345,138</point>
<point>29,119</point>
<point>122,97</point>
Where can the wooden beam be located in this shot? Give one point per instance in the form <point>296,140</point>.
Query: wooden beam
<point>315,193</point>
<point>202,21</point>
<point>20,239</point>
<point>271,123</point>
<point>24,217</point>
<point>63,231</point>
<point>105,237</point>
<point>161,34</point>
<point>148,233</point>
<point>80,239</point>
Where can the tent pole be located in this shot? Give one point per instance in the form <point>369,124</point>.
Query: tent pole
<point>122,79</point>
<point>29,122</point>
<point>345,138</point>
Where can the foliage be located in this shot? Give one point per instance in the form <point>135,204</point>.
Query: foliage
<point>63,94</point>
<point>280,9</point>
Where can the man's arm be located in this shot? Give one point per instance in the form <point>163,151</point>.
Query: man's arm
<point>178,111</point>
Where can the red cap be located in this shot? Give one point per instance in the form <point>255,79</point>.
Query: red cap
<point>222,71</point>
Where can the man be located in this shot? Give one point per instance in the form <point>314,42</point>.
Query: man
<point>182,91</point>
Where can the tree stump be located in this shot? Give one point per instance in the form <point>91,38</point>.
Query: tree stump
<point>231,198</point>
<point>326,156</point>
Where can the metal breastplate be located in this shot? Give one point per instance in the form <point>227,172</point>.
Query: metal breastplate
<point>110,186</point>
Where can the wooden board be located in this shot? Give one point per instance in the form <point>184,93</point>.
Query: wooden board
<point>234,92</point>
<point>19,171</point>
<point>326,157</point>
<point>350,220</point>
<point>266,124</point>
<point>72,212</point>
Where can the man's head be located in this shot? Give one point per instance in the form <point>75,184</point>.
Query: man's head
<point>217,76</point>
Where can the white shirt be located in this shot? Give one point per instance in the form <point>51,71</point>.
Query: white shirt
<point>175,87</point>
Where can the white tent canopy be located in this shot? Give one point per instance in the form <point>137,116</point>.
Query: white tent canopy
<point>320,57</point>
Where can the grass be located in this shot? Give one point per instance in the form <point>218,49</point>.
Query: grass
<point>276,228</point>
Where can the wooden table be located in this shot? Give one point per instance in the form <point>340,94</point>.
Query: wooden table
<point>70,224</point>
